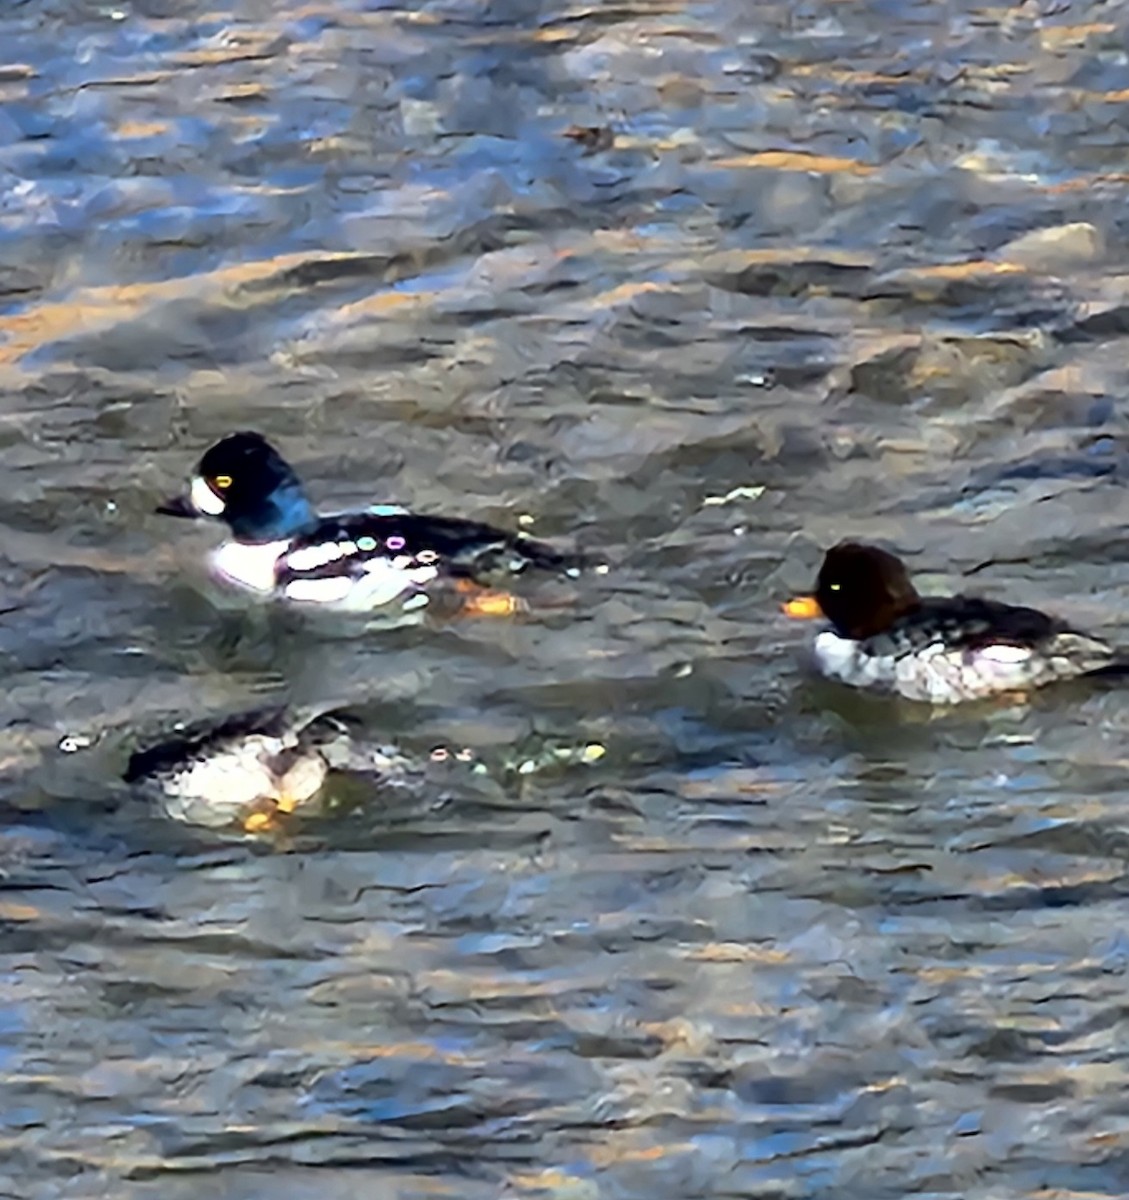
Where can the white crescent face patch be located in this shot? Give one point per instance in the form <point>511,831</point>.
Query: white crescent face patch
<point>204,500</point>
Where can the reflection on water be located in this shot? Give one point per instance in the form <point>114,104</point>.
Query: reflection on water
<point>704,286</point>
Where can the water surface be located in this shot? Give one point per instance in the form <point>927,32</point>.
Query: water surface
<point>776,942</point>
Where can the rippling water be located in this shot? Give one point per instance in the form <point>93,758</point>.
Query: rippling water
<point>705,286</point>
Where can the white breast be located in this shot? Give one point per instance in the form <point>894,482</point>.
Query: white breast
<point>844,659</point>
<point>248,565</point>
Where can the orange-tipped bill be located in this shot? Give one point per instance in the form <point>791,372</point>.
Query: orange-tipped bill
<point>802,608</point>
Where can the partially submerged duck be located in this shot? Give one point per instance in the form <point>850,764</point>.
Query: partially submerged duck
<point>250,769</point>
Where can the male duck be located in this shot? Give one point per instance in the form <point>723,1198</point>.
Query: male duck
<point>282,548</point>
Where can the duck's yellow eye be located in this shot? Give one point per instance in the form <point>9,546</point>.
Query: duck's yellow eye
<point>835,587</point>
<point>223,482</point>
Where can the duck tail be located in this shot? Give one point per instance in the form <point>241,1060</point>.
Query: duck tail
<point>530,553</point>
<point>1118,669</point>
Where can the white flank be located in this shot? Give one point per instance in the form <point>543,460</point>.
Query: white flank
<point>936,674</point>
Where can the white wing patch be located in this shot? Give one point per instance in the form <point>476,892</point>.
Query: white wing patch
<point>380,582</point>
<point>310,558</point>
<point>1004,655</point>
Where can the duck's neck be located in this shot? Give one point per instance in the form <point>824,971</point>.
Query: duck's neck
<point>285,513</point>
